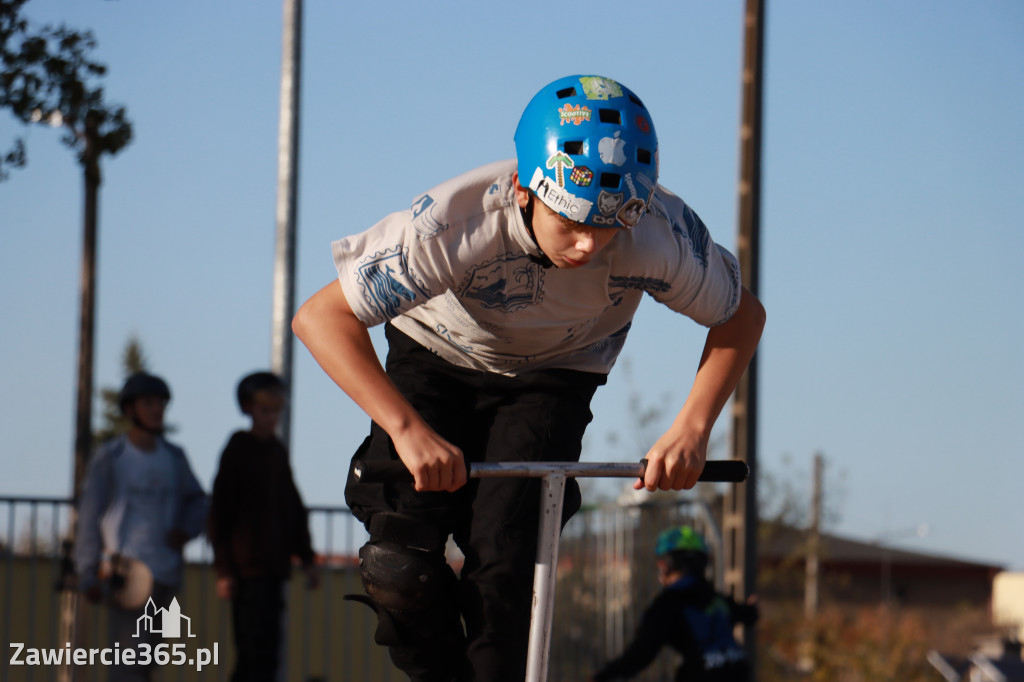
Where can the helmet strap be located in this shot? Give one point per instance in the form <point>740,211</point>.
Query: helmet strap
<point>134,419</point>
<point>527,214</point>
<point>139,425</point>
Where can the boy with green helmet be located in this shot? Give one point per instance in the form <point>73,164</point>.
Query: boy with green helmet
<point>687,615</point>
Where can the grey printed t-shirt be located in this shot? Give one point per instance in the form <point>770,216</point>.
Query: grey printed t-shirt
<point>454,272</point>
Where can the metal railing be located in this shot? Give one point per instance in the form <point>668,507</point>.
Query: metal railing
<point>605,578</point>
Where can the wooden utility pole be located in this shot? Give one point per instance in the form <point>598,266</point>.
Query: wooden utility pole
<point>87,305</point>
<point>90,160</point>
<point>287,194</point>
<point>741,519</point>
<point>811,582</point>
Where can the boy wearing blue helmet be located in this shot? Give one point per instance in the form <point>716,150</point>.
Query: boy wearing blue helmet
<point>508,293</point>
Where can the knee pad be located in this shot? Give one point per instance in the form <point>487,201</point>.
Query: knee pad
<point>402,566</point>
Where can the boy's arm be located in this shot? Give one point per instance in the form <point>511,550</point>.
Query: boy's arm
<point>194,503</point>
<point>220,519</point>
<point>652,633</point>
<point>91,507</point>
<point>300,538</point>
<point>341,344</point>
<point>747,613</point>
<point>676,460</point>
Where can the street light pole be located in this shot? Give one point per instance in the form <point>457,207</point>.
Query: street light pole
<point>287,191</point>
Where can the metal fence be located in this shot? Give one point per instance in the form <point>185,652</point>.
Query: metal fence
<point>606,576</point>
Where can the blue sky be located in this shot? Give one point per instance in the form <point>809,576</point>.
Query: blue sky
<point>891,225</point>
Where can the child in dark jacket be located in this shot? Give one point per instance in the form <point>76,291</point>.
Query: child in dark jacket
<point>689,616</point>
<point>257,523</point>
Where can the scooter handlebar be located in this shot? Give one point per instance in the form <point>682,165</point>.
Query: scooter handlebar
<point>715,471</point>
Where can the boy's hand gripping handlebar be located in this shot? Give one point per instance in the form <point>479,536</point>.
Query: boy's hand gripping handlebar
<point>715,471</point>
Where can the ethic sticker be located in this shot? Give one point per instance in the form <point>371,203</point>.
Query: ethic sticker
<point>582,176</point>
<point>558,198</point>
<point>573,114</point>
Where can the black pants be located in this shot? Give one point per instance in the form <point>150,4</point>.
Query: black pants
<point>256,611</point>
<point>539,416</point>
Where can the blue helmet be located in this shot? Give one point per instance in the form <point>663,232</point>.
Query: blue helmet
<point>586,147</point>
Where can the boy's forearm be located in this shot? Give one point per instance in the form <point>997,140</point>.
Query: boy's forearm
<point>341,345</point>
<point>727,353</point>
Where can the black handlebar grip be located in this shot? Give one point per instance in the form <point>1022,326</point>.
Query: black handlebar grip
<point>721,471</point>
<point>725,471</point>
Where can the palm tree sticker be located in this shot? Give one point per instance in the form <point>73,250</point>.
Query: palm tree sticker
<point>560,161</point>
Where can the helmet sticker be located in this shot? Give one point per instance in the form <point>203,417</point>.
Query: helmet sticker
<point>648,185</point>
<point>612,150</point>
<point>558,199</point>
<point>629,183</point>
<point>646,182</point>
<point>642,125</point>
<point>595,87</point>
<point>582,176</point>
<point>629,214</point>
<point>608,204</point>
<point>559,161</point>
<point>634,209</point>
<point>575,115</point>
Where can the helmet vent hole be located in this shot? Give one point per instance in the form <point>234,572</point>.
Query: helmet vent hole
<point>573,147</point>
<point>566,92</point>
<point>636,100</point>
<point>643,156</point>
<point>610,180</point>
<point>609,116</point>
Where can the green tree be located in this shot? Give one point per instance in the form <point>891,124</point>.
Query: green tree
<point>133,360</point>
<point>48,77</point>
